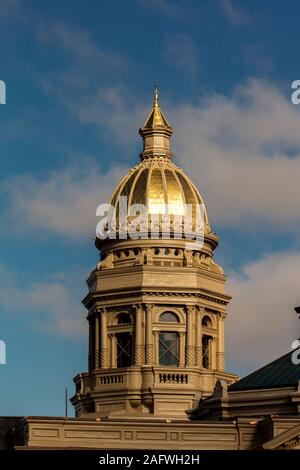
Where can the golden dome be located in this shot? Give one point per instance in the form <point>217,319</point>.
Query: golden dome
<point>161,186</point>
<point>156,182</point>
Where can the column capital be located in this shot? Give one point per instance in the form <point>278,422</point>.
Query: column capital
<point>201,309</point>
<point>102,310</point>
<point>149,307</point>
<point>190,309</point>
<point>222,315</point>
<point>138,307</point>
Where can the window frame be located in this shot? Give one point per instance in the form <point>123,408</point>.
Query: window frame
<point>168,348</point>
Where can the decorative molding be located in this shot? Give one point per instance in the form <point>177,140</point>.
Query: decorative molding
<point>191,309</point>
<point>97,359</point>
<point>189,355</point>
<point>193,295</point>
<point>149,353</point>
<point>198,355</point>
<point>104,358</point>
<point>220,360</point>
<point>138,354</point>
<point>292,443</point>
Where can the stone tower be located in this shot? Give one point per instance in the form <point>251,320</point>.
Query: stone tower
<point>156,304</point>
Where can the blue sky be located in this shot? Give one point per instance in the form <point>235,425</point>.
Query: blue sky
<point>79,84</point>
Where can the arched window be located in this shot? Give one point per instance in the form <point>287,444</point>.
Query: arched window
<point>206,321</point>
<point>123,318</point>
<point>124,349</point>
<point>168,348</point>
<point>206,351</point>
<point>169,317</point>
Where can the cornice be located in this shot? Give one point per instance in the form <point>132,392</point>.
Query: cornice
<point>94,296</point>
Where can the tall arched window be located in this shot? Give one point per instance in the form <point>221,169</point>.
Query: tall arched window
<point>168,348</point>
<point>124,349</point>
<point>206,321</point>
<point>206,351</point>
<point>123,318</point>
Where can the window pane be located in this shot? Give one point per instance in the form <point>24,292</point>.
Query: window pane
<point>169,317</point>
<point>206,321</point>
<point>124,350</point>
<point>168,348</point>
<point>124,318</point>
<point>205,351</point>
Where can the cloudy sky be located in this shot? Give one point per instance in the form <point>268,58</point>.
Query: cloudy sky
<point>79,84</point>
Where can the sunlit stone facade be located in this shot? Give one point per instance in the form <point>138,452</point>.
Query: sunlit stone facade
<point>156,306</point>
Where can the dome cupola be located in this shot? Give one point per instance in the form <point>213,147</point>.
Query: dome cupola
<point>161,187</point>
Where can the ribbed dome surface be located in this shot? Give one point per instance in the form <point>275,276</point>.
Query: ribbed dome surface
<point>161,186</point>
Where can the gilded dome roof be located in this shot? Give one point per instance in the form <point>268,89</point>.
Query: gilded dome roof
<point>156,182</point>
<point>161,186</point>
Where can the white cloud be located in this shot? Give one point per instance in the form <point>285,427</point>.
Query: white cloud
<point>244,155</point>
<point>52,305</point>
<point>113,109</point>
<point>243,151</point>
<point>63,203</point>
<point>262,323</point>
<point>79,45</point>
<point>236,15</point>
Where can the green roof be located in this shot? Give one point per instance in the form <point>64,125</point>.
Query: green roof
<point>279,373</point>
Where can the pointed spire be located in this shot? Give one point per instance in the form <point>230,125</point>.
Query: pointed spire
<point>156,117</point>
<point>156,126</point>
<point>156,95</point>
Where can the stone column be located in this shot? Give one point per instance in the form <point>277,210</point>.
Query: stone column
<point>113,351</point>
<point>190,346</point>
<point>104,340</point>
<point>138,347</point>
<point>149,335</point>
<point>91,343</point>
<point>198,337</point>
<point>181,349</point>
<point>156,347</point>
<point>97,340</point>
<point>220,342</point>
<point>213,353</point>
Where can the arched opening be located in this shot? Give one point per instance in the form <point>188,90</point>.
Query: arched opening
<point>124,349</point>
<point>123,318</point>
<point>206,321</point>
<point>206,359</point>
<point>168,348</point>
<point>169,317</point>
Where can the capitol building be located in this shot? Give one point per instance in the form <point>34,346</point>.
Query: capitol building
<point>156,306</point>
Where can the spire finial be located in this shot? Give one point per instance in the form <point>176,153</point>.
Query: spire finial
<point>156,95</point>
<point>156,132</point>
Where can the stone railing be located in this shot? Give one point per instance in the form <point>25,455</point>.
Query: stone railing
<point>84,383</point>
<point>111,379</point>
<point>169,378</point>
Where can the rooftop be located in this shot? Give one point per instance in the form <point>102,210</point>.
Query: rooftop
<point>279,373</point>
